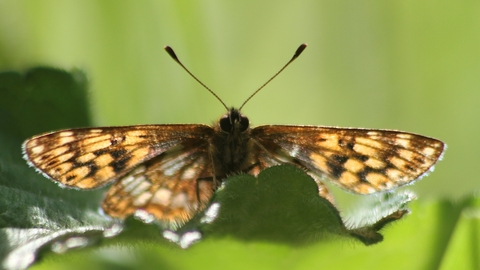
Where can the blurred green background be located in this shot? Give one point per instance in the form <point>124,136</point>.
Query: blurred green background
<point>407,65</point>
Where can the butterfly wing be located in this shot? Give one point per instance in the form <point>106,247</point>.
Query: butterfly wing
<point>88,158</point>
<point>172,186</point>
<point>362,161</point>
<point>157,166</point>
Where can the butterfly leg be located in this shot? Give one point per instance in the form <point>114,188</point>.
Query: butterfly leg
<point>322,189</point>
<point>198,187</point>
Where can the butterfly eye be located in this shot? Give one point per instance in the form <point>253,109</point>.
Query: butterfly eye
<point>225,124</point>
<point>244,123</point>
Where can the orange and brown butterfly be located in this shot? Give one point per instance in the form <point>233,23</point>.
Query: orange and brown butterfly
<point>172,171</point>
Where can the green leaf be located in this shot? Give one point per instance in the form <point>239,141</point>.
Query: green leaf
<point>34,211</point>
<point>282,205</point>
<point>463,248</point>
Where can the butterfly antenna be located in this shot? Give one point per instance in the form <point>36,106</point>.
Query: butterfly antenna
<point>174,56</point>
<point>297,54</point>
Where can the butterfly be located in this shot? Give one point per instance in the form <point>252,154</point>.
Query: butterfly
<point>171,171</point>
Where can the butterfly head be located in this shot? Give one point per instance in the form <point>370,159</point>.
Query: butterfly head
<point>233,122</point>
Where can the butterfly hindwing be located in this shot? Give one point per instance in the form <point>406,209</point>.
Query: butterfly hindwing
<point>172,186</point>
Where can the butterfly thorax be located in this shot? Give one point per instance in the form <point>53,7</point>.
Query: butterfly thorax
<point>230,145</point>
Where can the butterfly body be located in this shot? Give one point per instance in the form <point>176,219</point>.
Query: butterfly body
<point>231,145</point>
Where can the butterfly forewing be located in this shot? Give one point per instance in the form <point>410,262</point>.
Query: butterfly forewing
<point>359,160</point>
<point>91,157</point>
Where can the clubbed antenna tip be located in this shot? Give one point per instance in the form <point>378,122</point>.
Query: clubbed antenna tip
<point>297,54</point>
